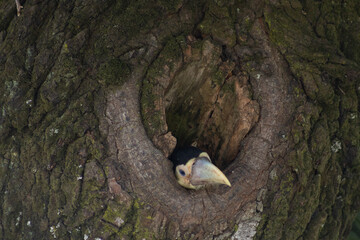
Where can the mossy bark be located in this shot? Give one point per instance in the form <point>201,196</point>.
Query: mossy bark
<point>95,94</point>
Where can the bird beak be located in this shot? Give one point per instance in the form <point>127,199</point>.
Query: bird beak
<point>204,172</point>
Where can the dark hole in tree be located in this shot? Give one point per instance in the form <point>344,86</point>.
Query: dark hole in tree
<point>205,103</point>
<point>209,107</point>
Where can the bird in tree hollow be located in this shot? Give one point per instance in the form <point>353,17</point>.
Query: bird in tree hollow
<point>193,168</point>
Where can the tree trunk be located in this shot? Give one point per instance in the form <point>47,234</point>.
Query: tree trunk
<point>96,94</point>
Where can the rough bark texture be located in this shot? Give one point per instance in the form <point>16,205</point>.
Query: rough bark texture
<point>94,96</point>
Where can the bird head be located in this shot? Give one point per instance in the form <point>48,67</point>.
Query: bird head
<point>198,172</point>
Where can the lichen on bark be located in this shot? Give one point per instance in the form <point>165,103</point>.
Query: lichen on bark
<point>322,169</point>
<point>76,162</point>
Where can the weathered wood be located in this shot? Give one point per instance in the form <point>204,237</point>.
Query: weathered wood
<point>94,96</point>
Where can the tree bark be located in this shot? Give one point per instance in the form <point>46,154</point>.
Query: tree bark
<point>96,94</point>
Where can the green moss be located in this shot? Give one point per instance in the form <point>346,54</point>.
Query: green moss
<point>113,72</point>
<point>320,145</point>
<point>138,16</point>
<point>311,205</point>
<point>299,211</point>
<point>228,88</point>
<point>218,23</point>
<point>302,208</point>
<point>123,21</point>
<point>219,77</point>
<point>172,5</point>
<point>236,227</point>
<point>169,56</point>
<point>310,85</point>
<point>152,91</point>
<point>57,198</point>
<point>141,232</point>
<point>280,207</point>
<point>128,221</point>
<point>273,19</point>
<point>116,213</point>
<point>315,225</point>
<point>349,101</point>
<point>332,110</point>
<point>302,163</point>
<point>59,85</point>
<point>70,182</point>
